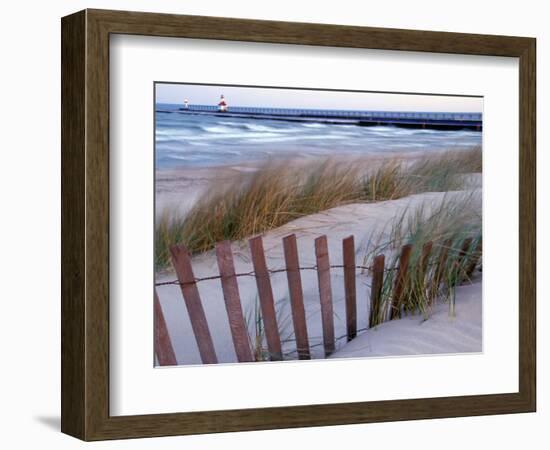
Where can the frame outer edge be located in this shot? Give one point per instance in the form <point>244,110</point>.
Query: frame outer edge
<point>307,33</point>
<point>85,226</point>
<point>73,227</point>
<point>97,225</point>
<point>528,224</point>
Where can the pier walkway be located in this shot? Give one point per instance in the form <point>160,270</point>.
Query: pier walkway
<point>410,119</point>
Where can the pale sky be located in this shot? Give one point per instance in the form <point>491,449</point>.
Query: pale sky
<point>295,98</point>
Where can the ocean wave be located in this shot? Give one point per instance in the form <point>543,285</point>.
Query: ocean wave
<point>197,140</point>
<point>286,129</point>
<point>232,124</point>
<point>314,125</point>
<point>278,138</point>
<point>235,136</point>
<point>218,129</point>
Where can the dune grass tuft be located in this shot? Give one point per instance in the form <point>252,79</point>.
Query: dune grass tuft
<point>449,225</point>
<point>277,193</point>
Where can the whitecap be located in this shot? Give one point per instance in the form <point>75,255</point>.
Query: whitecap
<point>314,125</point>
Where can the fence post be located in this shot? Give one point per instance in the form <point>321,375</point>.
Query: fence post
<point>267,304</point>
<point>464,249</point>
<point>296,296</point>
<point>163,344</point>
<point>184,271</point>
<point>437,278</point>
<point>425,259</point>
<point>325,293</point>
<point>461,271</point>
<point>232,299</point>
<point>400,281</point>
<point>377,283</point>
<point>474,259</point>
<point>348,251</point>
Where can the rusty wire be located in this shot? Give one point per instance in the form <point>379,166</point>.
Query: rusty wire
<point>270,271</point>
<point>275,271</point>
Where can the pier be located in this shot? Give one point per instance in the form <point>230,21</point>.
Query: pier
<point>408,119</point>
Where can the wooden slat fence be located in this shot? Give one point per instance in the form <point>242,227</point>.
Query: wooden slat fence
<point>232,299</point>
<point>181,261</point>
<point>267,303</point>
<point>325,294</point>
<point>348,257</point>
<point>400,279</point>
<point>296,296</point>
<point>163,345</point>
<point>376,289</point>
<point>387,293</point>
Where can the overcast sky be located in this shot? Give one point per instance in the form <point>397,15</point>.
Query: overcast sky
<point>296,98</point>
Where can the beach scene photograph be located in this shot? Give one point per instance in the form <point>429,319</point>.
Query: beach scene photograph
<point>296,224</point>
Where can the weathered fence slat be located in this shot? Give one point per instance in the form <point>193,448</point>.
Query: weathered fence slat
<point>348,251</point>
<point>325,293</point>
<point>474,259</point>
<point>182,264</point>
<point>163,344</point>
<point>424,259</point>
<point>464,249</point>
<point>463,265</point>
<point>400,281</point>
<point>267,304</point>
<point>437,278</point>
<point>296,296</point>
<point>443,256</point>
<point>232,299</point>
<point>376,289</point>
<point>461,259</point>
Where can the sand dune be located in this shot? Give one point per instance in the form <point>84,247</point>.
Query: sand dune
<point>407,336</point>
<point>413,335</point>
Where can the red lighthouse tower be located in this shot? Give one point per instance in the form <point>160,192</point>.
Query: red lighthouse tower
<point>222,105</point>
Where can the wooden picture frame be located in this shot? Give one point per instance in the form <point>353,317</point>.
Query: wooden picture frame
<point>85,224</point>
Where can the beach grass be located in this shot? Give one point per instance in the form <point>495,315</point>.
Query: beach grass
<point>448,225</point>
<point>256,329</point>
<point>279,192</point>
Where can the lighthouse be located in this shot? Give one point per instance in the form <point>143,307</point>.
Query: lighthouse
<point>222,105</point>
<point>186,104</point>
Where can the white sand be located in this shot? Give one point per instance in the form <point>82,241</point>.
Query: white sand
<point>406,336</point>
<point>413,335</point>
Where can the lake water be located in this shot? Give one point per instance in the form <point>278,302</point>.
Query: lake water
<point>200,140</point>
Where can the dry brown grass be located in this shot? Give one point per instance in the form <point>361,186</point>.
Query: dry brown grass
<point>280,192</point>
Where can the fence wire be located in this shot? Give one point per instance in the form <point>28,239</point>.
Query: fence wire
<point>252,273</point>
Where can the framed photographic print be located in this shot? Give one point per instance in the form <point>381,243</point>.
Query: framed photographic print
<point>271,224</point>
